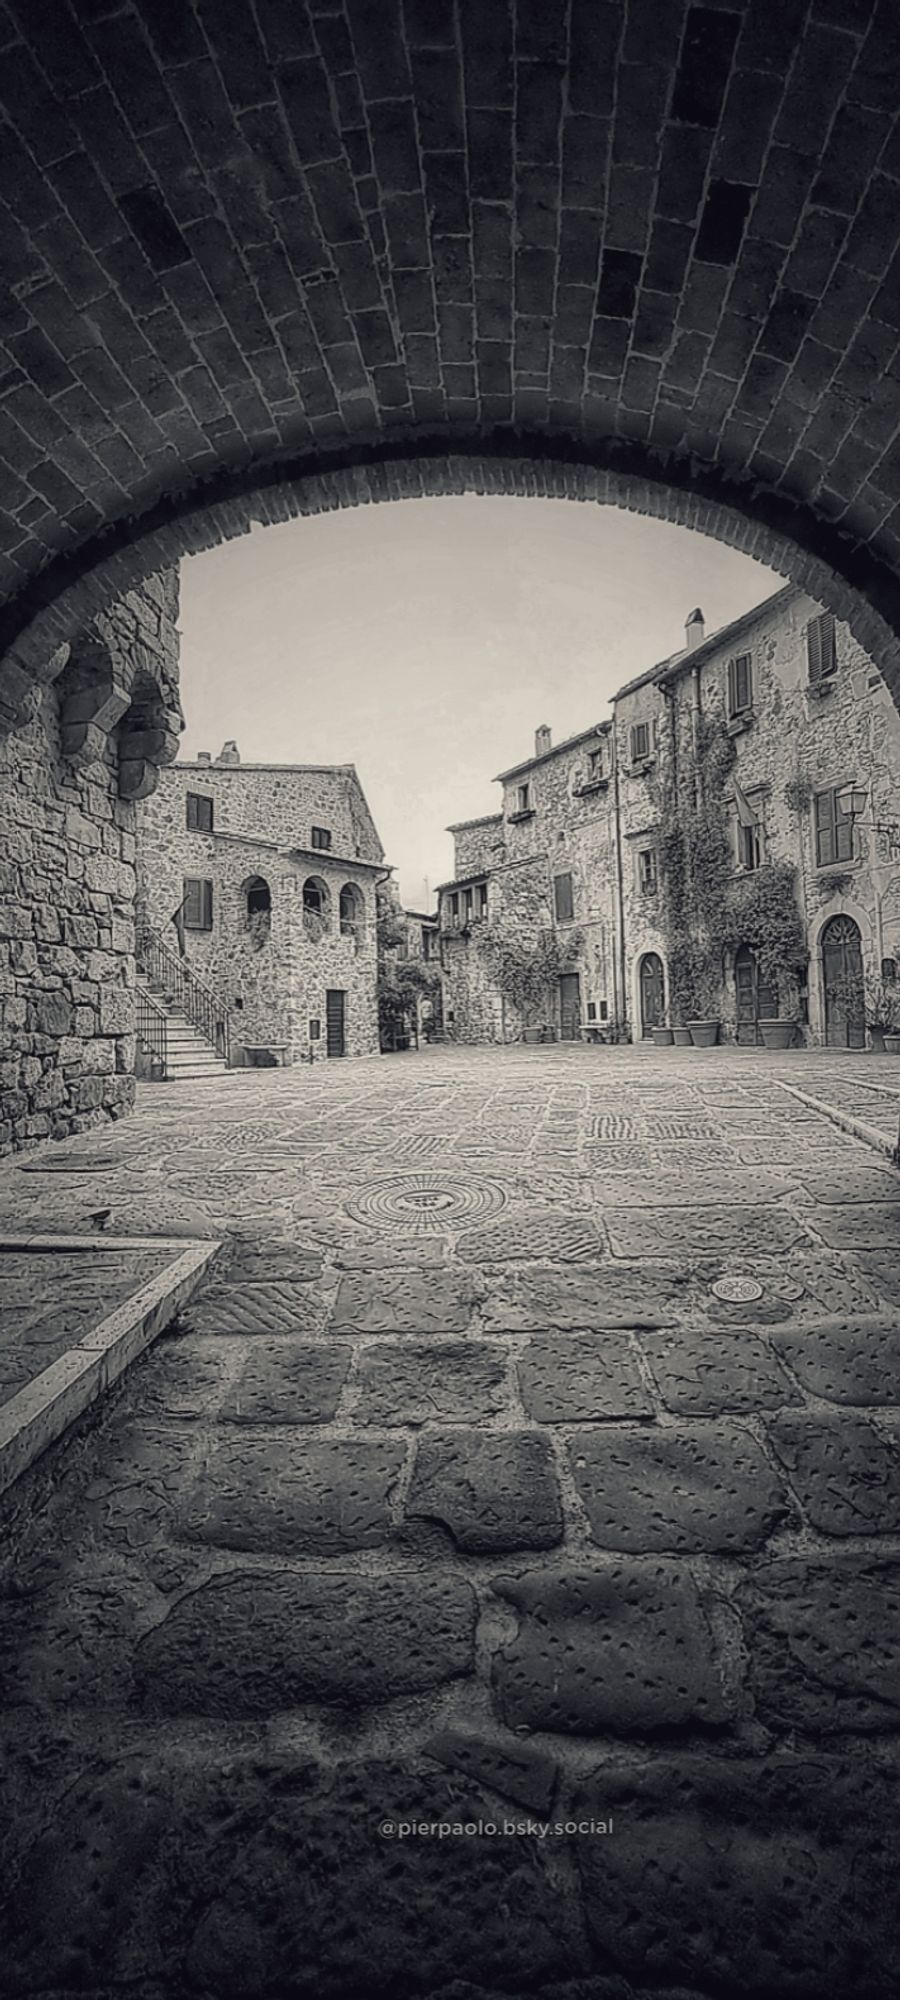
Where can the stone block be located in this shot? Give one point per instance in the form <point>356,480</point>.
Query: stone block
<point>705,1230</point>
<point>567,1377</point>
<point>244,1646</point>
<point>81,831</point>
<point>52,1014</point>
<point>116,1010</point>
<point>856,1225</point>
<point>699,1374</point>
<point>288,1382</point>
<point>275,1307</point>
<point>823,1639</point>
<point>763,1878</point>
<point>404,1302</point>
<point>587,1299</point>
<point>843,1360</point>
<point>88,1093</point>
<point>707,1486</point>
<point>410,1382</point>
<point>125,1053</point>
<point>251,1261</point>
<point>532,1236</point>
<point>102,966</point>
<point>492,1490</point>
<point>47,923</point>
<point>619,1651</point>
<point>70,1052</point>
<point>844,1471</point>
<point>316,1497</point>
<point>80,931</point>
<point>16,920</point>
<point>85,1022</point>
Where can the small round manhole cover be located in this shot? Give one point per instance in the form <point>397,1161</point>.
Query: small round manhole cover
<point>737,1291</point>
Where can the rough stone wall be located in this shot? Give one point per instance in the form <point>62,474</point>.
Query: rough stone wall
<point>479,844</point>
<point>278,802</point>
<point>67,869</point>
<point>567,834</point>
<point>274,987</point>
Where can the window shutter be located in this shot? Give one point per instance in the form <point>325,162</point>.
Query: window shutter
<point>565,905</point>
<point>640,742</point>
<point>732,687</point>
<point>206,895</point>
<point>821,653</point>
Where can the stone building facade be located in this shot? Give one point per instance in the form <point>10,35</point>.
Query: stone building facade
<point>272,868</point>
<point>71,767</point>
<point>805,716</point>
<point>545,859</point>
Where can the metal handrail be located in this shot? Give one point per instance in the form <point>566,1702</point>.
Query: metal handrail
<point>152,1027</point>
<point>197,1001</point>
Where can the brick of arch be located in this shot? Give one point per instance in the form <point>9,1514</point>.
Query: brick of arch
<point>669,493</point>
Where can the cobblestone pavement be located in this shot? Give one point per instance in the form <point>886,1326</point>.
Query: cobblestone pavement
<point>459,1498</point>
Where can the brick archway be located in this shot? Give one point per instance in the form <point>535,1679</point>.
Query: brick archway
<point>265,258</point>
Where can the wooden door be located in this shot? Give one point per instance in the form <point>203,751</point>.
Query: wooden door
<point>755,1001</point>
<point>335,1000</point>
<point>842,981</point>
<point>653,996</point>
<point>569,1006</point>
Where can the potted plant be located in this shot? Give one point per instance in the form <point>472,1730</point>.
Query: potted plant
<point>764,915</point>
<point>663,1036</point>
<point>681,1035</point>
<point>882,1010</point>
<point>703,1000</point>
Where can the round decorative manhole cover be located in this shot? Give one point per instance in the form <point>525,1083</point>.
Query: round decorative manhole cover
<point>428,1201</point>
<point>737,1291</point>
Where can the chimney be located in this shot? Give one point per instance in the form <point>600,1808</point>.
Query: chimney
<point>695,630</point>
<point>542,740</point>
<point>229,753</point>
<point>203,757</point>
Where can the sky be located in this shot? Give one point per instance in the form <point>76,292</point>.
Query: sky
<point>424,641</point>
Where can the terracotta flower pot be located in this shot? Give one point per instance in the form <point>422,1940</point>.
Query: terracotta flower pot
<point>531,1034</point>
<point>777,1034</point>
<point>681,1037</point>
<point>892,1045</point>
<point>662,1038</point>
<point>704,1034</point>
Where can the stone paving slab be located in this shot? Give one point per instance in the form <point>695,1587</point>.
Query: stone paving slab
<point>244,1646</point>
<point>844,1470</point>
<point>823,1640</point>
<point>625,1650</point>
<point>698,1374</point>
<point>494,1492</point>
<point>566,1377</point>
<point>316,1497</point>
<point>413,1382</point>
<point>704,1486</point>
<point>845,1361</point>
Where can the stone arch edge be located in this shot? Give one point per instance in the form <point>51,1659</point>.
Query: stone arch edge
<point>831,567</point>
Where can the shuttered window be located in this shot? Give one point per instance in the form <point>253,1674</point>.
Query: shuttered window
<point>197,907</point>
<point>199,813</point>
<point>640,741</point>
<point>563,899</point>
<point>740,685</point>
<point>821,653</point>
<point>834,830</point>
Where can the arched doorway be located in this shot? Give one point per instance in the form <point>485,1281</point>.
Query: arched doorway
<point>653,993</point>
<point>842,984</point>
<point>755,1001</point>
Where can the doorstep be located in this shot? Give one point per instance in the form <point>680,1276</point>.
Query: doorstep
<point>64,1374</point>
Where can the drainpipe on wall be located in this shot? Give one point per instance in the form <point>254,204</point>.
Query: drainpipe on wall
<point>620,996</point>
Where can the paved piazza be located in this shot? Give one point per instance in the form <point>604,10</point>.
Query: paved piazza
<point>529,1465</point>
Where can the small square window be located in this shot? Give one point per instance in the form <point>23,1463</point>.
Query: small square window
<point>523,799</point>
<point>594,766</point>
<point>640,742</point>
<point>321,836</point>
<point>198,813</point>
<point>740,686</point>
<point>315,1031</point>
<point>592,1010</point>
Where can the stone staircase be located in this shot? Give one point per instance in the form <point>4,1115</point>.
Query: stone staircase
<point>188,1053</point>
<point>183,1027</point>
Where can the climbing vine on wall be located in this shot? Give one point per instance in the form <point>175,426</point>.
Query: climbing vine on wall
<point>763,915</point>
<point>694,866</point>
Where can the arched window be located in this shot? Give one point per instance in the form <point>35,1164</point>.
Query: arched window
<point>257,897</point>
<point>352,912</point>
<point>316,907</point>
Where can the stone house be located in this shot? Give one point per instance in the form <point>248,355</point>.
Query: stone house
<point>807,720</point>
<point>546,859</point>
<point>265,874</point>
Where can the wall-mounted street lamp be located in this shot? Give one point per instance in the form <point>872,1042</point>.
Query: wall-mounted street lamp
<point>852,802</point>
